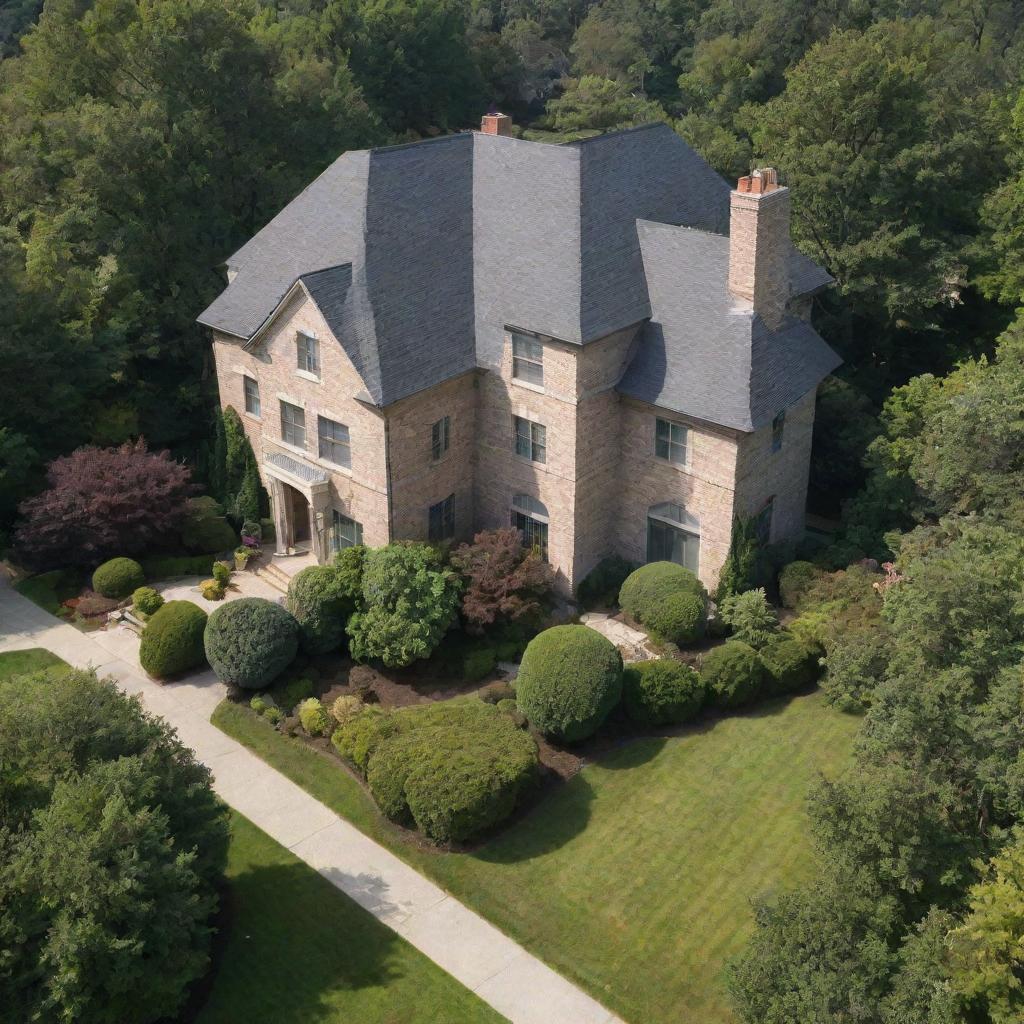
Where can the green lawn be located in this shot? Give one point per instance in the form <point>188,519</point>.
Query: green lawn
<point>18,663</point>
<point>634,879</point>
<point>50,589</point>
<point>298,951</point>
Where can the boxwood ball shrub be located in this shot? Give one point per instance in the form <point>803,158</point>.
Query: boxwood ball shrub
<point>679,618</point>
<point>118,577</point>
<point>661,692</point>
<point>320,600</point>
<point>146,600</point>
<point>250,642</point>
<point>733,674</point>
<point>790,665</point>
<point>649,586</point>
<point>569,680</point>
<point>172,641</point>
<point>452,769</point>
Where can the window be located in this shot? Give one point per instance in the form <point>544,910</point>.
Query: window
<point>334,443</point>
<point>530,518</point>
<point>252,396</point>
<point>778,427</point>
<point>673,535</point>
<point>527,359</point>
<point>293,425</point>
<point>531,440</point>
<point>439,438</point>
<point>345,532</point>
<point>763,522</point>
<point>442,519</point>
<point>309,353</point>
<point>671,441</point>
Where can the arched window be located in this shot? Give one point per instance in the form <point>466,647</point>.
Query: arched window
<point>673,535</point>
<point>530,517</point>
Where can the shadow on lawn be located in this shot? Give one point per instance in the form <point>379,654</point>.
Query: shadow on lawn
<point>292,942</point>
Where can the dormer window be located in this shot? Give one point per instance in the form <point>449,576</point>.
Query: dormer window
<point>527,359</point>
<point>308,351</point>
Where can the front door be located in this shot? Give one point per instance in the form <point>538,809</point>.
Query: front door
<point>298,518</point>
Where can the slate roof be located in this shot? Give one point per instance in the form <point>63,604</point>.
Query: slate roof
<point>419,256</point>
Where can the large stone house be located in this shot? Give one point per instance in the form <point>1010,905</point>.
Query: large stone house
<point>597,342</point>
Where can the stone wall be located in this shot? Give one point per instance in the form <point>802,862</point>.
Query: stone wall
<point>359,493</point>
<point>704,486</point>
<point>762,474</point>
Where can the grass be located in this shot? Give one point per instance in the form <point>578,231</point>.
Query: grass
<point>50,589</point>
<point>298,951</point>
<point>635,878</point>
<point>33,659</point>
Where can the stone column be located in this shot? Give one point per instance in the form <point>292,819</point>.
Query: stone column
<point>279,507</point>
<point>319,523</point>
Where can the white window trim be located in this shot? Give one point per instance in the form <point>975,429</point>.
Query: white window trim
<point>291,400</point>
<point>306,375</point>
<point>535,388</point>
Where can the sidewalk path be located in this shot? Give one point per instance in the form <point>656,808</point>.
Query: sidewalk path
<point>498,970</point>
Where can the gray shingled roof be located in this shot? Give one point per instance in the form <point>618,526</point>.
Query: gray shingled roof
<point>419,256</point>
<point>707,355</point>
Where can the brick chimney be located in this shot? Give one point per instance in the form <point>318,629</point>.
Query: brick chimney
<point>759,244</point>
<point>496,124</point>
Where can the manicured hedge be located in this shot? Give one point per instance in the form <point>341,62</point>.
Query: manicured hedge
<point>791,665</point>
<point>205,529</point>
<point>175,565</point>
<point>645,592</point>
<point>733,674</point>
<point>318,598</point>
<point>452,769</point>
<point>795,580</point>
<point>601,586</point>
<point>661,692</point>
<point>146,600</point>
<point>118,578</point>
<point>172,641</point>
<point>680,618</point>
<point>250,642</point>
<point>569,680</point>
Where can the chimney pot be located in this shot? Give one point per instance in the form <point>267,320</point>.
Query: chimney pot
<point>496,124</point>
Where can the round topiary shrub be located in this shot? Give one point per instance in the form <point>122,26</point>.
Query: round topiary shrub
<point>118,578</point>
<point>662,692</point>
<point>172,641</point>
<point>649,586</point>
<point>733,674</point>
<point>679,618</point>
<point>250,642</point>
<point>790,665</point>
<point>320,600</point>
<point>146,600</point>
<point>451,768</point>
<point>795,580</point>
<point>569,680</point>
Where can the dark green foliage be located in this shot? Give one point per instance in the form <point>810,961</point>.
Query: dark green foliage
<point>794,581</point>
<point>146,600</point>
<point>679,618</point>
<point>409,600</point>
<point>600,588</point>
<point>855,664</point>
<point>741,570</point>
<point>791,665</point>
<point>662,692</point>
<point>172,642</point>
<point>318,598</point>
<point>293,691</point>
<point>251,641</point>
<point>174,566</point>
<point>242,495</point>
<point>206,531</point>
<point>118,577</point>
<point>733,674</point>
<point>221,573</point>
<point>478,664</point>
<point>569,680</point>
<point>453,768</point>
<point>349,563</point>
<point>646,588</point>
<point>114,846</point>
<point>750,617</point>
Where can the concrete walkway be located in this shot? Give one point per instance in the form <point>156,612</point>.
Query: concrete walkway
<point>498,970</point>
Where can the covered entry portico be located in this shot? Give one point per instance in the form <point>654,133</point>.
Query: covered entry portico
<point>299,498</point>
